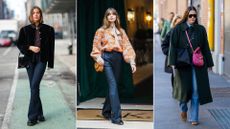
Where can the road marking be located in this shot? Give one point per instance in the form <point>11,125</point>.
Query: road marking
<point>7,51</point>
<point>6,120</point>
<point>1,116</point>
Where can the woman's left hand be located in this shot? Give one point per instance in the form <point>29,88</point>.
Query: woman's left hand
<point>209,68</point>
<point>133,67</point>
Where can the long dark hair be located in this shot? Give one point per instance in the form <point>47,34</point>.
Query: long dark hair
<point>186,13</point>
<point>31,14</point>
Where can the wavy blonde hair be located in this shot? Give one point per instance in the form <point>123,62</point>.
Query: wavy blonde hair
<point>106,23</point>
<point>175,22</point>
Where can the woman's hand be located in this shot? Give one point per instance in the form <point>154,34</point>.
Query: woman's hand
<point>34,49</point>
<point>133,67</point>
<point>100,61</point>
<point>173,70</point>
<point>209,68</point>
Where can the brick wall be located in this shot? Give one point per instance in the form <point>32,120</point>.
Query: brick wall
<point>226,37</point>
<point>167,6</point>
<point>204,13</point>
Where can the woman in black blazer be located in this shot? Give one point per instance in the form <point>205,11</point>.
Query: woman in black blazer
<point>36,41</point>
<point>191,82</point>
<point>165,46</point>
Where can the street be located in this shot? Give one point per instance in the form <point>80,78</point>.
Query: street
<point>8,56</point>
<point>57,91</point>
<point>214,115</point>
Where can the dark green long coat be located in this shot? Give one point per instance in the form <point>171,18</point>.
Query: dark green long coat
<point>182,90</point>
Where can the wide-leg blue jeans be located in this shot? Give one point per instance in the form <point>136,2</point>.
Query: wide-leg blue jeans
<point>194,107</point>
<point>112,69</point>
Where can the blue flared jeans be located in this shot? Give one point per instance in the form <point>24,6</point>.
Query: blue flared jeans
<point>194,107</point>
<point>112,70</point>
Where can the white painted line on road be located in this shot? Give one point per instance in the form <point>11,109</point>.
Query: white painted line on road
<point>6,120</point>
<point>1,116</point>
<point>7,51</point>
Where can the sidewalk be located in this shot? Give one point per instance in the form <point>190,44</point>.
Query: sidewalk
<point>57,91</point>
<point>167,114</point>
<point>97,103</point>
<point>62,54</point>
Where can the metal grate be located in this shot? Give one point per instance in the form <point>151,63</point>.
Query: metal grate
<point>222,116</point>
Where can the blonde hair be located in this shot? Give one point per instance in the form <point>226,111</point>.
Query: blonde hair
<point>106,23</point>
<point>31,14</point>
<point>175,20</point>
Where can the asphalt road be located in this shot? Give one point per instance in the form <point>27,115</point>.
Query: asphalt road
<point>8,61</point>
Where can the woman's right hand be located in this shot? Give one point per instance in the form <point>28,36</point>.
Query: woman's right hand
<point>173,70</point>
<point>100,61</point>
<point>133,67</point>
<point>34,49</point>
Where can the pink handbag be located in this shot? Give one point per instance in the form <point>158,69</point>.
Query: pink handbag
<point>197,57</point>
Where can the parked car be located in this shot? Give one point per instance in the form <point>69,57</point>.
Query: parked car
<point>10,34</point>
<point>58,35</point>
<point>5,42</point>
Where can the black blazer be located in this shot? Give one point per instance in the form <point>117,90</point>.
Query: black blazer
<point>165,48</point>
<point>27,38</point>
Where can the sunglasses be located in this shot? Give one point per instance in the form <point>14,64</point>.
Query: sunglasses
<point>192,15</point>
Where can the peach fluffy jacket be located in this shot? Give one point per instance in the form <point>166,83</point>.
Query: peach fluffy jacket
<point>112,39</point>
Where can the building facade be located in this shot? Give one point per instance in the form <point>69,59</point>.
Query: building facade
<point>5,13</point>
<point>226,53</point>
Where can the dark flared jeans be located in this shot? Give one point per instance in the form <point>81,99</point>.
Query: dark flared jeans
<point>35,72</point>
<point>112,69</point>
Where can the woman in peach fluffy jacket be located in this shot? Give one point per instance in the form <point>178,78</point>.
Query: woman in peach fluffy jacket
<point>110,47</point>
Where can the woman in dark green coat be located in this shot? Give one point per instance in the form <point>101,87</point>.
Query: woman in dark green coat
<point>190,82</point>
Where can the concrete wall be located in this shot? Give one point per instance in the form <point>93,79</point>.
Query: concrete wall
<point>203,13</point>
<point>179,6</point>
<point>176,6</point>
<point>227,38</point>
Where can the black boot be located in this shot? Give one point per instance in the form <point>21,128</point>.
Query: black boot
<point>31,123</point>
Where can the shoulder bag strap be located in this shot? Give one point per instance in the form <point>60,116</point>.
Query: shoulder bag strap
<point>189,40</point>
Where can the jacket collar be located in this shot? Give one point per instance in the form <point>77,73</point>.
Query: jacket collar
<point>34,27</point>
<point>185,26</point>
<point>112,32</point>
